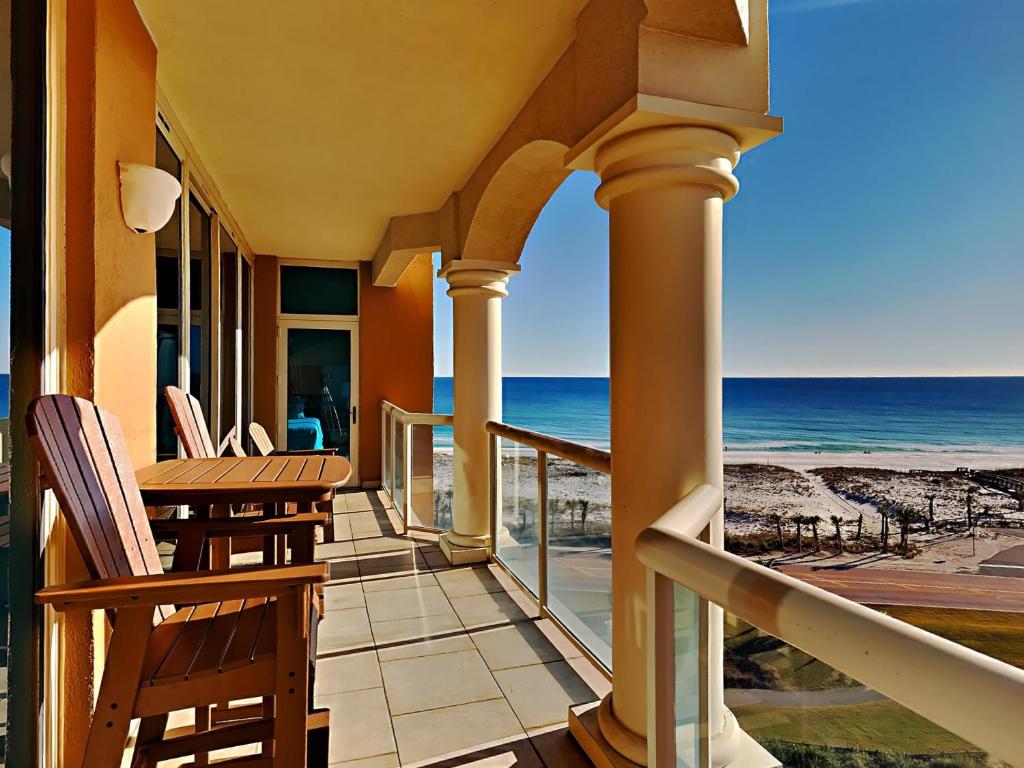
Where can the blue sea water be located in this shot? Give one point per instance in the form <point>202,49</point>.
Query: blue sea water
<point>981,414</point>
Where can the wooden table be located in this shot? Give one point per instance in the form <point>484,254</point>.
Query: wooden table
<point>212,486</point>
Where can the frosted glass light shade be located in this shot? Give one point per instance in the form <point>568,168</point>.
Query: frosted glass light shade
<point>147,196</point>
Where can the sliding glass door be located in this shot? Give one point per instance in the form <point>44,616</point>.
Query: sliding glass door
<point>318,386</point>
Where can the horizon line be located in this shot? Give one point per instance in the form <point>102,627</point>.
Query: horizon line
<point>971,375</point>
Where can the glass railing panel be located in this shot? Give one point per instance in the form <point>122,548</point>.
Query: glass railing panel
<point>398,492</point>
<point>517,530</point>
<point>805,712</point>
<point>687,676</point>
<point>579,554</point>
<point>386,465</point>
<point>431,493</point>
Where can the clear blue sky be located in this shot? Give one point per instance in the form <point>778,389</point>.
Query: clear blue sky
<point>882,234</point>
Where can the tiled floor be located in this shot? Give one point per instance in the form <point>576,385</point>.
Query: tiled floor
<point>426,665</point>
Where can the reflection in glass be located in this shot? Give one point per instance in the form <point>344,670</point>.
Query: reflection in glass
<point>432,489</point>
<point>199,304</point>
<point>806,712</point>
<point>228,330</point>
<point>517,539</point>
<point>319,389</point>
<point>580,553</point>
<point>168,305</point>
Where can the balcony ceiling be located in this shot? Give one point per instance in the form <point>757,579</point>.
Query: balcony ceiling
<point>318,120</point>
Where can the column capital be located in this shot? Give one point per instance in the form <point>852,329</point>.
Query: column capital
<point>477,277</point>
<point>667,156</point>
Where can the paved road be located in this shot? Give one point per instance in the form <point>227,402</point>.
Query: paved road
<point>831,697</point>
<point>878,586</point>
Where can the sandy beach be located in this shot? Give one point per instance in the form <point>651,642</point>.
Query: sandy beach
<point>851,486</point>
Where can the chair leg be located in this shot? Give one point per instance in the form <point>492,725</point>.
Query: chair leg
<point>151,729</point>
<point>328,507</point>
<point>112,717</point>
<point>291,689</point>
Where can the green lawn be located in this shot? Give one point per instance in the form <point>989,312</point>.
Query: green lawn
<point>878,726</point>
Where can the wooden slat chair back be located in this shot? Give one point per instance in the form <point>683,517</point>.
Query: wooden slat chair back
<point>261,439</point>
<point>190,424</point>
<point>241,635</point>
<point>83,454</point>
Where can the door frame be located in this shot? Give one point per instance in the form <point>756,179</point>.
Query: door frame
<point>285,324</point>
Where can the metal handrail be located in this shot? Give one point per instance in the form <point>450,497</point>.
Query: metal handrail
<point>592,458</point>
<point>968,693</point>
<point>545,445</point>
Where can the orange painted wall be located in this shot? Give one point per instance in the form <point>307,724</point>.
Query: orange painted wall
<point>396,350</point>
<point>110,299</point>
<point>264,343</point>
<point>396,353</point>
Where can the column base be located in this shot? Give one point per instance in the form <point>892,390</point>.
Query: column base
<point>584,726</point>
<point>608,744</point>
<point>460,554</point>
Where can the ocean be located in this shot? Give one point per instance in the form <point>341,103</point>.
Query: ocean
<point>963,414</point>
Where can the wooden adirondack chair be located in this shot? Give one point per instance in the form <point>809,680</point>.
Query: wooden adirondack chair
<point>265,446</point>
<point>180,640</point>
<point>190,426</point>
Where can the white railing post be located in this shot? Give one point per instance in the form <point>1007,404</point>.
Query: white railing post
<point>495,498</point>
<point>384,448</point>
<point>542,531</point>
<point>406,472</point>
<point>661,672</point>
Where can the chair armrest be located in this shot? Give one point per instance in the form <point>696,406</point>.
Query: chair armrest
<point>240,526</point>
<point>181,588</point>
<point>308,452</point>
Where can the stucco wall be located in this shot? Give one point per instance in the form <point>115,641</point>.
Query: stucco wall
<point>396,348</point>
<point>110,300</point>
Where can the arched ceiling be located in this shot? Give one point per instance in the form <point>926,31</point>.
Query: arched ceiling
<point>321,119</point>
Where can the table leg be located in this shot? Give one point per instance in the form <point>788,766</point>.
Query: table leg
<point>202,512</point>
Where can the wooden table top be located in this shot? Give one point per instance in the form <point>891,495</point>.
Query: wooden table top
<point>252,480</point>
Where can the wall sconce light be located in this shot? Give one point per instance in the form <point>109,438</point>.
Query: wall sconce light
<point>147,196</point>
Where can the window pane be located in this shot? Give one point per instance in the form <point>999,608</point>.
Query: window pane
<point>168,269</point>
<point>246,355</point>
<point>319,291</point>
<point>319,389</point>
<point>199,303</point>
<point>517,540</point>
<point>228,330</point>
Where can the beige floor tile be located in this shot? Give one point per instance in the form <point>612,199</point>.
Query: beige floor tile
<point>416,628</point>
<point>334,550</point>
<point>365,520</point>
<point>385,583</point>
<point>541,694</point>
<point>516,646</point>
<point>348,672</point>
<point>342,527</point>
<point>407,604</point>
<point>357,501</point>
<point>440,732</point>
<point>564,645</point>
<point>343,630</point>
<point>382,544</point>
<point>343,570</point>
<point>460,582</point>
<point>360,725</point>
<point>591,675</point>
<point>401,563</point>
<point>341,596</point>
<point>487,609</point>
<point>389,760</point>
<point>436,559</point>
<point>429,682</point>
<point>459,642</point>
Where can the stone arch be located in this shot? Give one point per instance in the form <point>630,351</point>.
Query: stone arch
<point>512,201</point>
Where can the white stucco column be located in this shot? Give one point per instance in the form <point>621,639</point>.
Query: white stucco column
<point>664,189</point>
<point>477,288</point>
